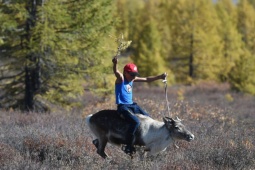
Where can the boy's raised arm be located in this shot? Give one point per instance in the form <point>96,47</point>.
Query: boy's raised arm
<point>117,73</point>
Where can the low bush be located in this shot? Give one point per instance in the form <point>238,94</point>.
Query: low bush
<point>224,134</point>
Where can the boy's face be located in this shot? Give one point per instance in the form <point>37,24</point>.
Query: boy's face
<point>129,76</point>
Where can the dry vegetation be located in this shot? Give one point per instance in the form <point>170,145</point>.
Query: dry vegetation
<point>222,122</point>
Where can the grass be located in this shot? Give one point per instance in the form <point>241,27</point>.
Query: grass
<point>223,128</point>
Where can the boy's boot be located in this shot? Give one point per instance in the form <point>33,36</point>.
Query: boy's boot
<point>130,149</point>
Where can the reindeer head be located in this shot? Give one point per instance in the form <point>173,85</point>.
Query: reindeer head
<point>177,129</point>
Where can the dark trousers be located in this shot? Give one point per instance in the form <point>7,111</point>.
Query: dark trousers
<point>128,111</point>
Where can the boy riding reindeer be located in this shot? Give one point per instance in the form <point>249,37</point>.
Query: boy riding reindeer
<point>125,105</point>
<point>122,127</point>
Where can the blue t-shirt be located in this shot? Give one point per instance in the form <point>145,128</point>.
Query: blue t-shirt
<point>123,92</point>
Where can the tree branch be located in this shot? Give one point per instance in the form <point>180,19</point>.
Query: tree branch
<point>10,77</point>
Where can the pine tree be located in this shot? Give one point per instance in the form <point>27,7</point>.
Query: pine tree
<point>246,24</point>
<point>231,39</point>
<point>148,52</point>
<point>49,48</point>
<point>134,9</point>
<point>144,24</point>
<point>165,35</point>
<point>252,2</point>
<point>195,42</point>
<point>241,76</point>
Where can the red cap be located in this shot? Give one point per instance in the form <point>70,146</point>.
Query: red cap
<point>131,69</point>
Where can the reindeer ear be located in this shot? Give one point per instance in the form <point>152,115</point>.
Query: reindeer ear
<point>169,122</point>
<point>167,119</point>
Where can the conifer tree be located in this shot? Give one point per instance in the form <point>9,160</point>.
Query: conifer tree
<point>246,24</point>
<point>145,25</point>
<point>195,42</point>
<point>135,26</point>
<point>252,2</point>
<point>165,34</point>
<point>241,76</point>
<point>128,12</point>
<point>148,52</point>
<point>230,37</point>
<point>49,47</point>
<point>124,13</point>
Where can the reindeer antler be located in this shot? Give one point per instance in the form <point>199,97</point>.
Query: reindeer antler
<point>177,118</point>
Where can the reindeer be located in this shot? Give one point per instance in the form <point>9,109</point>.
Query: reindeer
<point>153,135</point>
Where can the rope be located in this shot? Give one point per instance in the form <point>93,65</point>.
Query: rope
<point>167,103</point>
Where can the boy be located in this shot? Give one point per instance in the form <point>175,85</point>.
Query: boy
<point>124,101</point>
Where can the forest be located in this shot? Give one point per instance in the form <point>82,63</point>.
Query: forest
<point>53,52</point>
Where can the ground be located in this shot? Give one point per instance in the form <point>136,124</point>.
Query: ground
<point>221,120</point>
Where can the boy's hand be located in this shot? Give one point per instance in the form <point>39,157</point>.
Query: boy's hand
<point>115,60</point>
<point>163,76</point>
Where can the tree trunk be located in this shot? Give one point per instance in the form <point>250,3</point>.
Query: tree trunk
<point>32,84</point>
<point>29,92</point>
<point>32,71</point>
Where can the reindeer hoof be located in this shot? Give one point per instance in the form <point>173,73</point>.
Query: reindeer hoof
<point>129,150</point>
<point>131,155</point>
<point>102,154</point>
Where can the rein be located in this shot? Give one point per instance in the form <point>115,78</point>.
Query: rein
<point>167,103</point>
<point>168,109</point>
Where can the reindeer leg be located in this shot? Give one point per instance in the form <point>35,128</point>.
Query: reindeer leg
<point>96,142</point>
<point>101,146</point>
